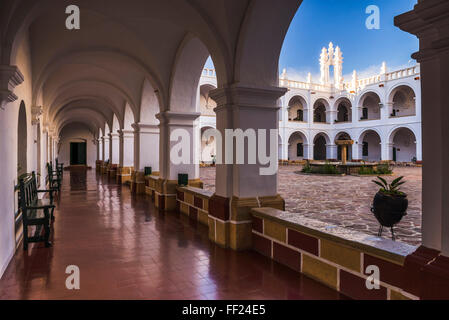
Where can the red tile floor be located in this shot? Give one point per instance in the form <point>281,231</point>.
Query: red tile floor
<point>125,249</point>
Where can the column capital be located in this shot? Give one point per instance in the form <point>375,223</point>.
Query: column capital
<point>145,128</point>
<point>247,96</point>
<point>428,21</point>
<point>36,112</point>
<point>113,135</point>
<point>177,118</point>
<point>10,77</point>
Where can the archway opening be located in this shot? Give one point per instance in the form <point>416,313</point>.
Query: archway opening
<point>403,101</point>
<point>344,113</point>
<point>370,146</point>
<point>343,136</point>
<point>297,146</point>
<point>319,112</point>
<point>404,145</point>
<point>370,107</point>
<point>319,148</point>
<point>22,145</point>
<point>297,109</point>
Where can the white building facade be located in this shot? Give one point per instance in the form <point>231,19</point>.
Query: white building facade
<point>382,114</point>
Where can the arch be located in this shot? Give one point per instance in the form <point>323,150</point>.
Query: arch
<point>297,146</point>
<point>344,110</point>
<point>370,145</point>
<point>297,109</point>
<point>208,147</point>
<point>260,40</point>
<point>128,119</point>
<point>403,143</point>
<point>369,104</point>
<point>186,72</point>
<point>206,104</point>
<point>402,101</point>
<point>321,141</point>
<point>343,135</point>
<point>22,141</point>
<point>149,104</point>
<point>320,108</point>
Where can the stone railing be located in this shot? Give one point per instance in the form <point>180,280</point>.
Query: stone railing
<point>402,73</point>
<point>209,73</point>
<point>337,257</point>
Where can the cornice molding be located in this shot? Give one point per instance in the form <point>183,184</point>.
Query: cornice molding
<point>10,77</point>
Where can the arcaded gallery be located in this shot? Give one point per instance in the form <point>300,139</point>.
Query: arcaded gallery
<point>224,150</point>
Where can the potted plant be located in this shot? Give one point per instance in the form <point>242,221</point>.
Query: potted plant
<point>389,204</point>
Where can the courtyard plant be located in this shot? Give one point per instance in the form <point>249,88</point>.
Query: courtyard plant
<point>390,203</point>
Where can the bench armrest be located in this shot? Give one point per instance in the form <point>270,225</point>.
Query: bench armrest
<point>49,206</point>
<point>50,190</point>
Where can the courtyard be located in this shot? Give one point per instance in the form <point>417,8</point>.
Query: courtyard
<point>344,200</point>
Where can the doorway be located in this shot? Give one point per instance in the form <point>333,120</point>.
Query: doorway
<point>78,152</point>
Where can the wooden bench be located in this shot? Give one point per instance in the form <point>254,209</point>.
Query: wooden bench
<point>60,168</point>
<point>53,178</point>
<point>35,212</point>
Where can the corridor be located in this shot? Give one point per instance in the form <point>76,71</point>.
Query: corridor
<point>126,249</point>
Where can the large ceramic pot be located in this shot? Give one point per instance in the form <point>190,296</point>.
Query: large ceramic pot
<point>389,209</point>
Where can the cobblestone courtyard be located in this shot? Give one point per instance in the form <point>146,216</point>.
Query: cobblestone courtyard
<point>344,201</point>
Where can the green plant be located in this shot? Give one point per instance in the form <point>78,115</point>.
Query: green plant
<point>366,170</point>
<point>383,169</point>
<point>307,168</point>
<point>390,188</point>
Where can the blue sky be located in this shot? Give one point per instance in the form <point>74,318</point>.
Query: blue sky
<point>319,22</point>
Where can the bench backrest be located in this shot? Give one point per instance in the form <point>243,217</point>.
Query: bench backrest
<point>28,191</point>
<point>50,172</point>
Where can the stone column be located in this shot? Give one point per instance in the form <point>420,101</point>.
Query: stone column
<point>308,151</point>
<point>99,162</point>
<point>146,154</point>
<point>240,187</point>
<point>331,116</point>
<point>126,158</point>
<point>331,152</point>
<point>172,125</point>
<point>386,110</point>
<point>106,155</point>
<point>357,151</point>
<point>428,267</point>
<point>114,151</point>
<point>387,151</point>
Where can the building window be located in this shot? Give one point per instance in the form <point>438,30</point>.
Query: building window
<point>299,150</point>
<point>365,149</point>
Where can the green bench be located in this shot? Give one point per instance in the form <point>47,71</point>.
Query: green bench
<point>35,212</point>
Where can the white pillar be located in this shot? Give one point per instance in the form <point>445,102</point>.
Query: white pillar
<point>126,138</point>
<point>259,112</point>
<point>146,146</point>
<point>106,145</point>
<point>387,150</point>
<point>331,151</point>
<point>115,148</point>
<point>169,122</point>
<point>357,150</point>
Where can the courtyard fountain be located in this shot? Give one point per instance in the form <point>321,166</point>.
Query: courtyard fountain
<point>344,166</point>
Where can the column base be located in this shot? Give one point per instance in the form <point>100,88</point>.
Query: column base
<point>112,171</point>
<point>123,174</point>
<point>137,182</point>
<point>98,165</point>
<point>164,192</point>
<point>230,220</point>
